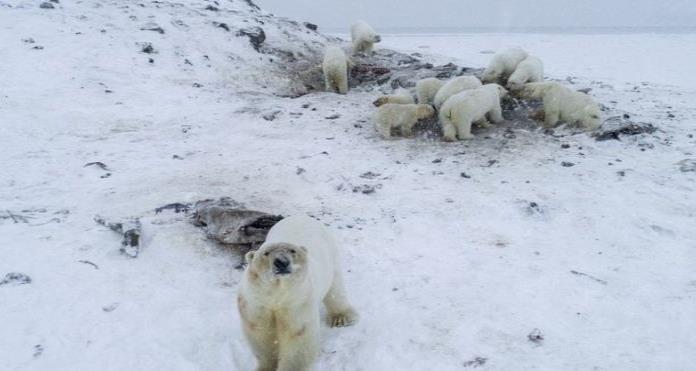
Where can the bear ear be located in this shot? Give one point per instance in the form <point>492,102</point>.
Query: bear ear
<point>302,248</point>
<point>249,257</point>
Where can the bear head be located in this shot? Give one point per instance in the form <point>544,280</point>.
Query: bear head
<point>491,74</point>
<point>277,261</point>
<point>425,111</point>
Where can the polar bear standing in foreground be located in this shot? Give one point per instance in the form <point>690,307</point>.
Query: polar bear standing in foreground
<point>531,69</point>
<point>427,88</point>
<point>454,86</point>
<point>468,107</point>
<point>400,96</point>
<point>402,116</point>
<point>503,65</point>
<point>281,292</point>
<point>564,104</point>
<point>335,68</point>
<point>364,37</point>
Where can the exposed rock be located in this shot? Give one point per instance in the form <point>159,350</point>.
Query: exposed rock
<point>311,26</point>
<point>229,223</point>
<point>14,278</point>
<point>129,230</point>
<point>536,336</point>
<point>687,165</point>
<point>98,164</point>
<point>46,5</point>
<point>252,5</point>
<point>256,36</point>
<point>224,26</point>
<point>177,207</point>
<point>615,127</point>
<point>152,27</point>
<point>476,362</point>
<point>147,48</point>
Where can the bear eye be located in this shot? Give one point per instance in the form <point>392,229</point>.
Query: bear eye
<point>292,251</point>
<point>265,254</point>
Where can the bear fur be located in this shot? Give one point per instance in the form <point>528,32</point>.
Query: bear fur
<point>281,292</point>
<point>454,86</point>
<point>400,96</point>
<point>427,88</point>
<point>502,65</point>
<point>531,69</point>
<point>335,67</point>
<point>564,104</point>
<point>468,107</point>
<point>364,37</point>
<point>402,116</point>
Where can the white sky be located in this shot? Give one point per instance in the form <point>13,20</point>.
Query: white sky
<point>488,13</point>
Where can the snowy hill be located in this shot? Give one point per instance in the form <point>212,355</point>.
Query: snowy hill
<point>454,253</point>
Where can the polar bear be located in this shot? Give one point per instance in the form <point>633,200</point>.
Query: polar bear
<point>335,68</point>
<point>402,116</point>
<point>503,65</point>
<point>531,69</point>
<point>427,88</point>
<point>364,37</point>
<point>400,96</point>
<point>468,107</point>
<point>564,104</point>
<point>454,86</point>
<point>281,291</point>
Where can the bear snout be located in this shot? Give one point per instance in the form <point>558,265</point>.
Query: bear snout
<point>281,265</point>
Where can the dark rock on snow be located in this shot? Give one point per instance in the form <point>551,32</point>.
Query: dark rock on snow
<point>15,279</point>
<point>256,36</point>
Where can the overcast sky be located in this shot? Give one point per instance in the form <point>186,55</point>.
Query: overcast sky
<point>488,13</point>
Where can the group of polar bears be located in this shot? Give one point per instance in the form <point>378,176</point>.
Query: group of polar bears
<point>297,270</point>
<point>464,100</point>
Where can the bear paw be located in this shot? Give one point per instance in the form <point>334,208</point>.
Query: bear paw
<point>343,319</point>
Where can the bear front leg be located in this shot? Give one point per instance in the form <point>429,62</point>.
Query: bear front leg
<point>407,128</point>
<point>328,83</point>
<point>551,118</point>
<point>342,84</point>
<point>300,347</point>
<point>265,349</point>
<point>340,312</point>
<point>496,115</point>
<point>449,132</point>
<point>384,129</point>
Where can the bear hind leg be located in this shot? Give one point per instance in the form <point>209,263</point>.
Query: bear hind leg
<point>464,130</point>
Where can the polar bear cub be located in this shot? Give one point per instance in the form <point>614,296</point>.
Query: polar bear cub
<point>472,106</point>
<point>564,104</point>
<point>281,292</point>
<point>335,68</point>
<point>454,86</point>
<point>400,96</point>
<point>531,69</point>
<point>503,65</point>
<point>401,116</point>
<point>427,88</point>
<point>364,37</point>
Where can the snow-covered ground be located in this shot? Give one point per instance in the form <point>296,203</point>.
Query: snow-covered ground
<point>461,251</point>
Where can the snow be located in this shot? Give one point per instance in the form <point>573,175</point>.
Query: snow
<point>442,268</point>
